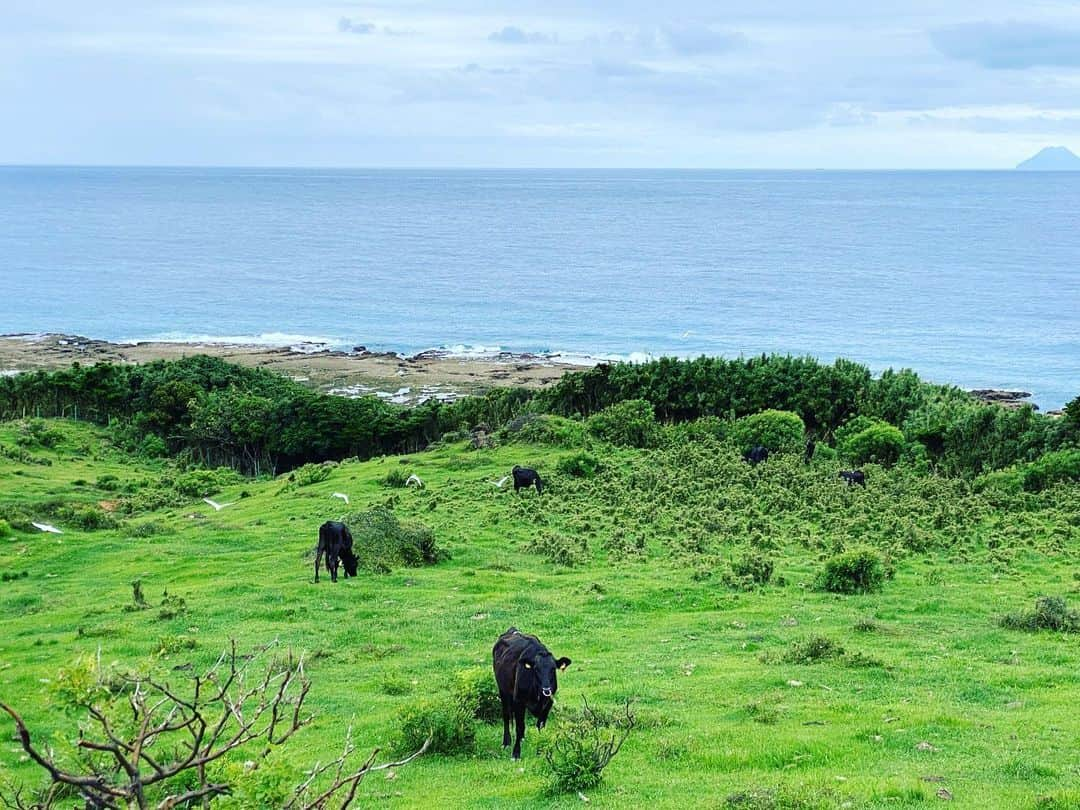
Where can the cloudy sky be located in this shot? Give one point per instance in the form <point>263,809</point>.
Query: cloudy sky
<point>694,83</point>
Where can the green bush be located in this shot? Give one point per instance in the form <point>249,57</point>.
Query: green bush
<point>478,694</point>
<point>203,483</point>
<point>751,570</point>
<point>395,479</point>
<point>1007,482</point>
<point>152,446</point>
<point>310,474</point>
<point>1051,613</point>
<point>859,570</point>
<point>582,464</point>
<point>583,744</point>
<point>37,433</point>
<point>812,650</point>
<point>5,529</point>
<point>559,548</point>
<point>627,424</point>
<point>536,428</point>
<point>442,719</point>
<point>704,429</point>
<point>1061,466</point>
<point>778,431</point>
<point>91,518</point>
<point>863,440</point>
<point>381,542</point>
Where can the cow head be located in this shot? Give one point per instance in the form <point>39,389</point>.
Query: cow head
<point>348,559</point>
<point>540,670</point>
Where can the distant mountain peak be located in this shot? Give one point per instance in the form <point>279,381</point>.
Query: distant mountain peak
<point>1052,159</point>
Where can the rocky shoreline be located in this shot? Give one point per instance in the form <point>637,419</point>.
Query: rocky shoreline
<point>408,380</point>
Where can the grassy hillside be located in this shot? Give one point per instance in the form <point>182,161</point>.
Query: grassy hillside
<point>728,714</point>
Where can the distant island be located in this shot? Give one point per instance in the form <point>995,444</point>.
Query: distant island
<point>1051,159</point>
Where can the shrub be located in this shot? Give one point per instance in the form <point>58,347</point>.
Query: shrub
<point>1006,482</point>
<point>203,483</point>
<point>749,571</point>
<point>309,474</point>
<point>5,529</point>
<point>394,684</point>
<point>152,446</point>
<point>381,542</point>
<point>1051,613</point>
<point>705,429</point>
<point>108,483</point>
<point>627,424</point>
<point>478,694</point>
<point>582,464</point>
<point>779,431</point>
<point>864,440</point>
<point>858,570</point>
<point>583,744</point>
<point>90,518</point>
<point>443,720</point>
<point>37,433</point>
<point>395,479</point>
<point>1059,467</point>
<point>547,429</point>
<point>812,650</point>
<point>559,549</point>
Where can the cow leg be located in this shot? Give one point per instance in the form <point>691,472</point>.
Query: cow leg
<point>506,719</point>
<point>519,729</point>
<point>318,559</point>
<point>332,564</point>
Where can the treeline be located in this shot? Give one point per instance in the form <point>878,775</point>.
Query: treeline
<point>257,421</point>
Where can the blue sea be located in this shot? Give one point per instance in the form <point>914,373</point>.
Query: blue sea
<point>970,278</point>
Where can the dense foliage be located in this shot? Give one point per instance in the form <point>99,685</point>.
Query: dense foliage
<point>258,422</point>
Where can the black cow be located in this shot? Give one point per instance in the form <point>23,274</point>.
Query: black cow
<point>808,454</point>
<point>854,477</point>
<point>525,672</point>
<point>527,477</point>
<point>755,455</point>
<point>335,541</point>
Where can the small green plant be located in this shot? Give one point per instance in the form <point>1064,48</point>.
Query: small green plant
<point>583,744</point>
<point>11,576</point>
<point>859,570</point>
<point>1051,613</point>
<point>748,571</point>
<point>441,719</point>
<point>169,645</point>
<point>5,529</point>
<point>392,683</point>
<point>582,464</point>
<point>171,606</point>
<point>395,479</point>
<point>559,548</point>
<point>478,695</point>
<point>812,650</point>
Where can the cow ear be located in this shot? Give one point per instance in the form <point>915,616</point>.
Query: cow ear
<point>562,663</point>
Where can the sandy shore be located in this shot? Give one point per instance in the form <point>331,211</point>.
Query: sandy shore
<point>406,380</point>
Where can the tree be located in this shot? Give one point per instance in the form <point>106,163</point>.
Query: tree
<point>148,744</point>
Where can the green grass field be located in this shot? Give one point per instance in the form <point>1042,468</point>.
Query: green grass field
<point>646,613</point>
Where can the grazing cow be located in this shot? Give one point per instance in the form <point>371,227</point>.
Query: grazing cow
<point>527,477</point>
<point>755,455</point>
<point>335,541</point>
<point>854,477</point>
<point>525,674</point>
<point>808,454</point>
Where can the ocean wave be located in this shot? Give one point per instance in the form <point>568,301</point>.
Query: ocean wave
<point>298,343</point>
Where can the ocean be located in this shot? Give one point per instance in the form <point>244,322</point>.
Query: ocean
<point>971,278</point>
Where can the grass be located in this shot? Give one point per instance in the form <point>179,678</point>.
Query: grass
<point>727,716</point>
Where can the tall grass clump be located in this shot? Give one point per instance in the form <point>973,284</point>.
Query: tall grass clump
<point>381,542</point>
<point>858,570</point>
<point>1050,613</point>
<point>575,756</point>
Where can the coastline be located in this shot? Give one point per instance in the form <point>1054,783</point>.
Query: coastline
<point>408,380</point>
<point>441,374</point>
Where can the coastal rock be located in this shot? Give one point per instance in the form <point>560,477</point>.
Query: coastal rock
<point>1003,397</point>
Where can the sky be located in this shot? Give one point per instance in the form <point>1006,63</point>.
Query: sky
<point>539,83</point>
